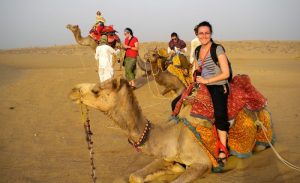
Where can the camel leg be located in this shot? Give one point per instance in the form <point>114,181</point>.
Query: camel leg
<point>138,176</point>
<point>173,169</point>
<point>192,172</point>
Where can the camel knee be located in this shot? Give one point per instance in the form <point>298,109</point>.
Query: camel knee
<point>177,168</point>
<point>192,173</point>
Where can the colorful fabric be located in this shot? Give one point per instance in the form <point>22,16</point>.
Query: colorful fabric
<point>242,136</point>
<point>245,133</point>
<point>184,94</point>
<point>264,117</point>
<point>181,60</point>
<point>242,94</point>
<point>96,31</point>
<point>99,29</point>
<point>178,72</point>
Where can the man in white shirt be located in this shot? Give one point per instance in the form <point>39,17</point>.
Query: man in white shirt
<point>194,44</point>
<point>104,55</point>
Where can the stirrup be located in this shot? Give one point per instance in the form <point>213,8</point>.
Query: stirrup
<point>220,161</point>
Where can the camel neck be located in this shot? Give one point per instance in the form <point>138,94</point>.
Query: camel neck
<point>155,70</point>
<point>129,117</point>
<point>78,37</point>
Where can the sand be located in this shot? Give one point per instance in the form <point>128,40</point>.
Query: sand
<point>41,132</point>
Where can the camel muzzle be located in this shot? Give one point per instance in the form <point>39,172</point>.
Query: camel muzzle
<point>75,95</point>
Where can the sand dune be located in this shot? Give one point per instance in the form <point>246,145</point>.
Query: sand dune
<point>42,137</point>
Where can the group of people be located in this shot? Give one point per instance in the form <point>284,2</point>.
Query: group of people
<point>214,76</point>
<point>104,53</point>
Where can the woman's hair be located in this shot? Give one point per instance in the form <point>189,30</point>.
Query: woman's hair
<point>204,23</point>
<point>174,34</point>
<point>129,31</point>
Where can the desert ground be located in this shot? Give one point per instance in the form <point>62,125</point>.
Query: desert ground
<point>41,131</point>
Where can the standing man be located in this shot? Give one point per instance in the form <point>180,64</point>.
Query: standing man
<point>104,55</point>
<point>131,46</point>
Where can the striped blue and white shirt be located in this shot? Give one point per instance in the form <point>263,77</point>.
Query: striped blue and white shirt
<point>210,69</point>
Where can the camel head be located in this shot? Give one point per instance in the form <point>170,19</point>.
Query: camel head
<point>72,28</point>
<point>157,57</point>
<point>151,56</point>
<point>104,96</point>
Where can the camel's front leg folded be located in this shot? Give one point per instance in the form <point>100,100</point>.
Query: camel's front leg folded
<point>139,176</point>
<point>192,172</point>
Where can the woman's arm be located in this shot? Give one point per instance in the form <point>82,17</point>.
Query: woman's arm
<point>135,47</point>
<point>224,74</point>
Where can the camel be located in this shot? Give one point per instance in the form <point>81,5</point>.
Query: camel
<point>84,41</point>
<point>161,75</point>
<point>172,144</point>
<point>88,41</point>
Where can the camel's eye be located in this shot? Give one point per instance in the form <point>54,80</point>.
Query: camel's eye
<point>95,91</point>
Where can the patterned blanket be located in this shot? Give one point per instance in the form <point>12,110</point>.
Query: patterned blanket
<point>179,73</point>
<point>242,94</point>
<point>243,136</point>
<point>245,132</point>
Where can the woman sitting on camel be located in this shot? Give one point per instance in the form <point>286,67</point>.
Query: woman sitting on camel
<point>215,77</point>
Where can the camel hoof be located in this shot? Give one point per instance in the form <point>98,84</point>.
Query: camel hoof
<point>135,179</point>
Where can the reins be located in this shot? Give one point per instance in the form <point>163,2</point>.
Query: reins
<point>90,144</point>
<point>148,83</point>
<point>284,161</point>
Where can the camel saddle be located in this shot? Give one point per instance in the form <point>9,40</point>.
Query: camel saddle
<point>242,94</point>
<point>99,29</point>
<point>180,68</point>
<point>244,134</point>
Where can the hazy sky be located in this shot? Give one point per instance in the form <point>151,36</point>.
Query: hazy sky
<point>30,23</point>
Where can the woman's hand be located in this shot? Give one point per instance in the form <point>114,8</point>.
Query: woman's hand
<point>200,79</point>
<point>127,46</point>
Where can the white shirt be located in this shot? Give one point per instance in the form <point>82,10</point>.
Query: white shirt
<point>194,44</point>
<point>177,50</point>
<point>104,54</point>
